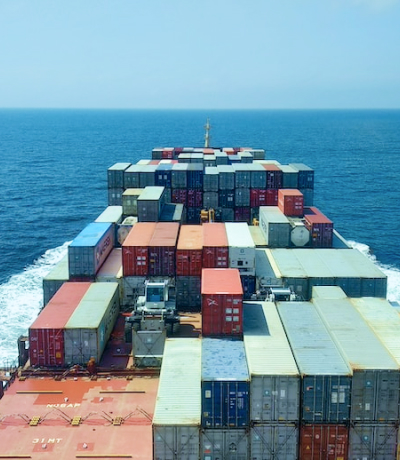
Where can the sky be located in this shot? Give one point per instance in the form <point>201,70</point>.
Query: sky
<point>206,54</point>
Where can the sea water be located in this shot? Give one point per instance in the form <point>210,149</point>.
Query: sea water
<point>53,166</point>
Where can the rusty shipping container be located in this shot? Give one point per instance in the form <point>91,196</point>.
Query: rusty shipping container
<point>215,245</point>
<point>46,334</point>
<point>162,249</point>
<point>189,250</point>
<point>321,442</point>
<point>291,202</point>
<point>221,302</point>
<point>135,249</point>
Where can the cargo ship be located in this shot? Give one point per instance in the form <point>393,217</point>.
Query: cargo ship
<point>211,312</point>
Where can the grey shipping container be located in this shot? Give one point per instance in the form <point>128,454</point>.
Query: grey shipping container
<point>179,176</point>
<point>132,176</point>
<point>242,197</point>
<point>88,330</point>
<point>258,176</point>
<point>115,175</point>
<point>305,175</point>
<point>290,177</point>
<point>373,442</point>
<point>242,175</point>
<point>210,200</point>
<point>326,375</point>
<point>275,378</point>
<point>147,176</point>
<point>188,293</point>
<point>177,413</point>
<point>115,196</point>
<point>129,201</point>
<point>230,444</point>
<point>211,179</point>
<point>55,279</point>
<point>275,226</point>
<point>274,441</point>
<point>150,203</point>
<point>376,377</point>
<point>226,177</point>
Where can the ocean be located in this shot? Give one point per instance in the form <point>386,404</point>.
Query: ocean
<point>54,165</point>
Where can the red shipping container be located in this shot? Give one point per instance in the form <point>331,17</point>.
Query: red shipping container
<point>194,198</point>
<point>242,214</point>
<point>319,226</point>
<point>263,197</point>
<point>168,153</point>
<point>221,302</point>
<point>179,195</point>
<point>189,250</point>
<point>274,176</point>
<point>135,249</point>
<point>46,334</point>
<point>162,249</point>
<point>324,442</point>
<point>291,202</point>
<point>215,245</point>
<point>154,162</point>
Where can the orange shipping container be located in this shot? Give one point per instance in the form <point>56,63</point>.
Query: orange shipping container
<point>291,202</point>
<point>135,249</point>
<point>162,249</point>
<point>189,250</point>
<point>215,245</point>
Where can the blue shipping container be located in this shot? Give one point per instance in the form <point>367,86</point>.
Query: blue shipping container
<point>225,384</point>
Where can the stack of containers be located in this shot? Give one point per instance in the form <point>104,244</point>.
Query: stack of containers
<point>305,181</point>
<point>274,384</point>
<point>326,381</point>
<point>162,249</point>
<point>177,414</point>
<point>242,254</point>
<point>242,192</point>
<point>320,228</point>
<point>195,188</point>
<point>291,202</point>
<point>275,227</point>
<point>215,245</point>
<point>374,414</point>
<point>179,185</point>
<point>88,251</point>
<point>224,399</point>
<point>221,302</point>
<point>210,187</point>
<point>57,276</point>
<point>116,183</point>
<point>189,252</point>
<point>46,334</point>
<point>226,192</point>
<point>89,327</point>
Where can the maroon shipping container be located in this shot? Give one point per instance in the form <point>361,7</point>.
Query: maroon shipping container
<point>215,246</point>
<point>291,202</point>
<point>242,214</point>
<point>168,153</point>
<point>221,302</point>
<point>189,250</point>
<point>135,249</point>
<point>162,249</point>
<point>320,228</point>
<point>179,195</point>
<point>46,334</point>
<point>194,198</point>
<point>324,442</point>
<point>274,176</point>
<point>263,197</point>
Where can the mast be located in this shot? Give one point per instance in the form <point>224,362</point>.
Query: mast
<point>207,136</point>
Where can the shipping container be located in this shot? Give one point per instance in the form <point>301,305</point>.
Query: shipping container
<point>162,249</point>
<point>135,249</point>
<point>189,250</point>
<point>376,377</point>
<point>129,201</point>
<point>215,245</point>
<point>112,214</point>
<point>274,176</point>
<point>188,293</point>
<point>193,215</point>
<point>242,214</point>
<point>242,197</point>
<point>226,175</point>
<point>132,176</point>
<point>211,179</point>
<point>263,197</point>
<point>194,198</point>
<point>221,301</point>
<point>275,226</point>
<point>115,196</point>
<point>275,378</point>
<point>224,384</point>
<point>57,276</point>
<point>210,200</point>
<point>177,414</point>
<point>225,443</point>
<point>46,334</point>
<point>163,175</point>
<point>291,202</point>
<point>88,251</point>
<point>227,214</point>
<point>195,176</point>
<point>274,441</point>
<point>173,212</point>
<point>115,175</point>
<point>322,442</point>
<point>326,375</point>
<point>147,176</point>
<point>373,442</point>
<point>305,175</point>
<point>88,329</point>
<point>308,195</point>
<point>242,175</point>
<point>179,176</point>
<point>209,160</point>
<point>226,199</point>
<point>258,176</point>
<point>133,286</point>
<point>179,196</point>
<point>241,247</point>
<point>156,153</point>
<point>290,177</point>
<point>221,158</point>
<point>124,228</point>
<point>246,156</point>
<point>111,271</point>
<point>150,203</point>
<point>320,227</point>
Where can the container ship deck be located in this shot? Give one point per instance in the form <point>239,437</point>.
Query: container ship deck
<point>210,312</point>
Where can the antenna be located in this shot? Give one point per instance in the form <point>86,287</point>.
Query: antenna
<point>207,136</point>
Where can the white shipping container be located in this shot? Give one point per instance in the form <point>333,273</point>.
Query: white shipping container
<point>242,251</point>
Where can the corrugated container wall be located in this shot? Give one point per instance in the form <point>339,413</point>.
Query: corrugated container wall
<point>275,379</point>
<point>227,443</point>
<point>189,251</point>
<point>318,442</point>
<point>268,439</point>
<point>224,384</point>
<point>326,382</point>
<point>221,302</point>
<point>135,249</point>
<point>89,250</point>
<point>215,245</point>
<point>377,442</point>
<point>177,414</point>
<point>162,249</point>
<point>89,327</point>
<point>46,334</point>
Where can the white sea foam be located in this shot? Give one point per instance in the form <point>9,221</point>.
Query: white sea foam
<point>21,299</point>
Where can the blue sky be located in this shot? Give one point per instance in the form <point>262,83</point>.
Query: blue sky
<point>200,54</point>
